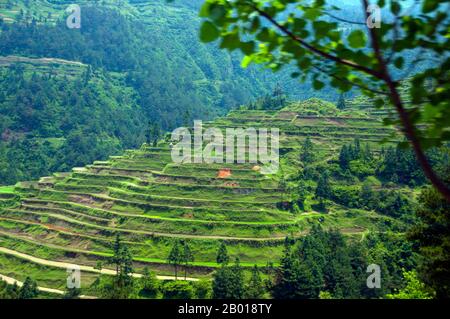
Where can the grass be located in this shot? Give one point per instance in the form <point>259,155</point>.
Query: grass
<point>6,189</point>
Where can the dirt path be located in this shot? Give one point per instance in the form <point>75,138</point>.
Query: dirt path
<point>64,265</point>
<point>11,281</point>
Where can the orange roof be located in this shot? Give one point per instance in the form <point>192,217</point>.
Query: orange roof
<point>224,173</point>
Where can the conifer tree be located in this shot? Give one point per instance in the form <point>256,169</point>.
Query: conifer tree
<point>341,102</point>
<point>29,290</point>
<point>323,189</point>
<point>187,257</point>
<point>432,236</point>
<point>255,286</point>
<point>222,255</point>
<point>175,257</point>
<point>307,151</point>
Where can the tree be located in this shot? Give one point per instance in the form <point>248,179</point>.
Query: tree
<point>177,289</point>
<point>341,102</point>
<point>294,279</point>
<point>414,289</point>
<point>323,189</point>
<point>149,284</point>
<point>228,282</point>
<point>187,257</point>
<point>123,280</point>
<point>72,293</point>
<point>432,236</point>
<point>222,255</point>
<point>344,157</point>
<point>279,97</point>
<point>152,133</point>
<point>29,289</point>
<point>175,257</point>
<point>365,59</point>
<point>203,289</point>
<point>307,151</point>
<point>9,291</point>
<point>255,287</point>
<point>367,195</point>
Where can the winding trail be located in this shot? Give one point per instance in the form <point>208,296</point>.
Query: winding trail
<point>64,265</point>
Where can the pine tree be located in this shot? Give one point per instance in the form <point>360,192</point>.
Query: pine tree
<point>29,290</point>
<point>307,151</point>
<point>222,255</point>
<point>123,280</point>
<point>432,236</point>
<point>366,195</point>
<point>228,282</point>
<point>294,279</point>
<point>149,283</point>
<point>187,257</point>
<point>367,153</point>
<point>255,287</point>
<point>344,157</point>
<point>323,189</point>
<point>357,151</point>
<point>341,102</point>
<point>175,257</point>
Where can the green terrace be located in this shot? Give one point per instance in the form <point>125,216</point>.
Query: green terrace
<point>152,202</point>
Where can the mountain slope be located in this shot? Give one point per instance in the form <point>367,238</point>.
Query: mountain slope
<point>152,202</point>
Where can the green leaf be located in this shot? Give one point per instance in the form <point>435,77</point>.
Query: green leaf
<point>246,61</point>
<point>357,39</point>
<point>208,32</point>
<point>318,85</point>
<point>247,47</point>
<point>429,5</point>
<point>395,7</point>
<point>399,62</point>
<point>204,10</point>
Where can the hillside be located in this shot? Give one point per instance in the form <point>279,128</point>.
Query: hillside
<point>152,202</point>
<point>138,63</point>
<point>135,64</point>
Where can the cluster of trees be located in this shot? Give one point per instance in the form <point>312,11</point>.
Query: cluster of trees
<point>52,123</point>
<point>229,281</point>
<point>431,237</point>
<point>354,152</point>
<point>29,290</point>
<point>324,263</point>
<point>274,101</point>
<point>124,285</point>
<point>180,254</point>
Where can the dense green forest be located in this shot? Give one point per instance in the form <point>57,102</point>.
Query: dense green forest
<point>135,70</point>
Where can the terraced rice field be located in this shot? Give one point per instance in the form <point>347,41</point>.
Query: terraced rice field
<point>151,201</point>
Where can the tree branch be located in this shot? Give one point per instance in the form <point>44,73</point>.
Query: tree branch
<point>409,129</point>
<point>363,87</point>
<point>343,20</point>
<point>315,50</point>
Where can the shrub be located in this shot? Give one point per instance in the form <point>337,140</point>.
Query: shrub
<point>203,289</point>
<point>177,289</point>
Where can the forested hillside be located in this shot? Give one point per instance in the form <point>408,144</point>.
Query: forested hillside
<point>130,68</point>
